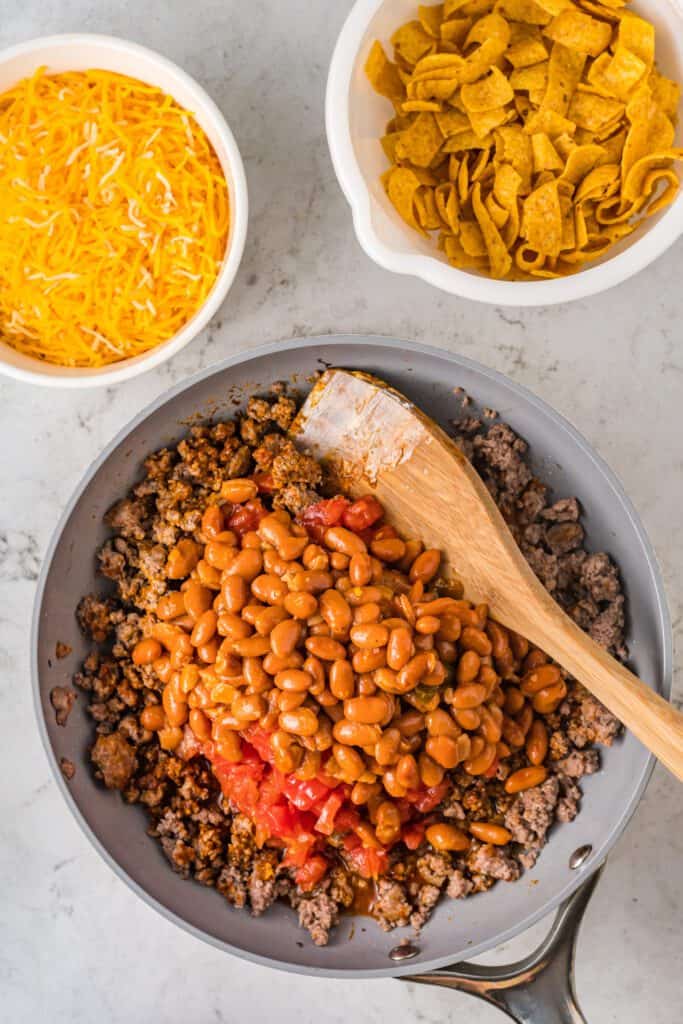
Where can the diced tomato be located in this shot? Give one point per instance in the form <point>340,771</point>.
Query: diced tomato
<point>308,876</point>
<point>363,513</point>
<point>246,517</point>
<point>260,740</point>
<point>326,822</point>
<point>413,834</point>
<point>278,818</point>
<point>346,820</point>
<point>425,800</point>
<point>271,788</point>
<point>319,517</point>
<point>369,863</point>
<point>240,785</point>
<point>264,482</point>
<point>304,794</point>
<point>490,772</point>
<point>298,851</point>
<point>405,810</point>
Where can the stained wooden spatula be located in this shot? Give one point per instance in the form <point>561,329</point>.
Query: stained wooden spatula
<point>372,438</point>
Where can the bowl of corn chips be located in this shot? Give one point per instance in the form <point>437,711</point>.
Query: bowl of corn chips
<point>516,152</point>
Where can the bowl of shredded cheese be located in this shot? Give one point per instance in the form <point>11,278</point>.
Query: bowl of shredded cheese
<point>123,210</point>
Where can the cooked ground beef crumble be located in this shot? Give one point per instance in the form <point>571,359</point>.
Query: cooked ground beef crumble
<point>200,835</point>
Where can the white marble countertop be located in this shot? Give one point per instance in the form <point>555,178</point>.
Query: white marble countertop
<point>77,945</point>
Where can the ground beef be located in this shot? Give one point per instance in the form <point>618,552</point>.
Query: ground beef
<point>112,559</point>
<point>271,445</point>
<point>62,650</point>
<point>283,412</point>
<point>494,862</point>
<point>128,630</point>
<point>115,760</point>
<point>242,846</point>
<point>434,868</point>
<point>341,889</point>
<point>568,804</point>
<point>318,913</point>
<point>452,808</point>
<point>503,453</point>
<point>391,908</point>
<point>292,466</point>
<point>232,884</point>
<point>564,537</point>
<point>591,722</point>
<point>427,898</point>
<point>566,510</point>
<point>68,768</point>
<point>608,628</point>
<point>62,699</point>
<point>600,578</point>
<point>579,763</point>
<point>459,885</point>
<point>94,617</point>
<point>128,517</point>
<point>533,812</point>
<point>263,883</point>
<point>295,498</point>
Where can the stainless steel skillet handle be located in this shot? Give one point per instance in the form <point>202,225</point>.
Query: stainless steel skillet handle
<point>538,989</point>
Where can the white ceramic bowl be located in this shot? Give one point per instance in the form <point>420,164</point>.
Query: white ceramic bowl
<point>79,53</point>
<point>356,117</point>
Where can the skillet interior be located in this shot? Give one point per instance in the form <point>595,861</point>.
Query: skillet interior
<point>359,948</point>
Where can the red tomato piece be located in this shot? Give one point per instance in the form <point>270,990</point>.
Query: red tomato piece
<point>319,517</point>
<point>308,876</point>
<point>405,810</point>
<point>271,789</point>
<point>347,820</point>
<point>246,517</point>
<point>363,513</point>
<point>278,818</point>
<point>425,800</point>
<point>298,851</point>
<point>368,863</point>
<point>241,787</point>
<point>260,740</point>
<point>326,822</point>
<point>413,834</point>
<point>304,795</point>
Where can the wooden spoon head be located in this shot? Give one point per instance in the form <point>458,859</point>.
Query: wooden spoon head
<point>372,438</point>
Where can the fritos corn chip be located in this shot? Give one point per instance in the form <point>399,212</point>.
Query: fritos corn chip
<point>532,135</point>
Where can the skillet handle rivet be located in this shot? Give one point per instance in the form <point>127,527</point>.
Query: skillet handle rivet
<point>406,951</point>
<point>580,856</point>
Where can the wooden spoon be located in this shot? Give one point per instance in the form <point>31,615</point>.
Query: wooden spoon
<point>370,437</point>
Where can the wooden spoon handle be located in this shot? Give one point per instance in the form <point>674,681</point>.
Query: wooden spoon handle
<point>656,723</point>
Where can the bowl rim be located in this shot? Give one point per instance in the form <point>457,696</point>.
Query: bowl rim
<point>619,268</point>
<point>84,377</point>
<point>416,348</point>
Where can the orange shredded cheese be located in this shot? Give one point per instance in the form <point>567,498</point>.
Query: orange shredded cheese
<point>114,217</point>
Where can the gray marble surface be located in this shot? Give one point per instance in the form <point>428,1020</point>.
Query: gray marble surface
<point>76,945</point>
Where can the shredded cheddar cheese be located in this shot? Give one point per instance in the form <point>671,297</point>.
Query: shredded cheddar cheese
<point>114,217</point>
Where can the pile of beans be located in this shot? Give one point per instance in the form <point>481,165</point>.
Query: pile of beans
<point>350,657</point>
